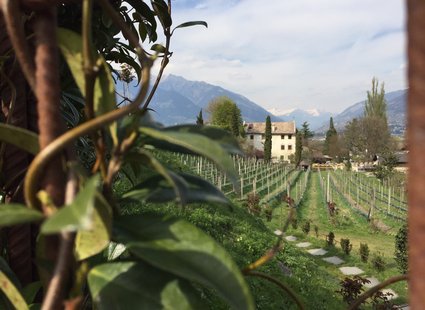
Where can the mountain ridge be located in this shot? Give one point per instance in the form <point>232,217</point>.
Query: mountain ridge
<point>179,101</point>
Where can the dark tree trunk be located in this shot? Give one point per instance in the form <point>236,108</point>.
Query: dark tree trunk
<point>18,239</point>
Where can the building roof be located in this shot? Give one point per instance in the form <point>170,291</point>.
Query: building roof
<point>278,128</point>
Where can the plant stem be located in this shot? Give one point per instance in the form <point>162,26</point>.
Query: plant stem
<point>283,286</point>
<point>55,294</point>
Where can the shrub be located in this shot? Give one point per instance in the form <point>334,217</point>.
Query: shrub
<point>253,203</point>
<point>346,246</point>
<point>364,252</point>
<point>330,239</point>
<point>401,249</point>
<point>306,227</point>
<point>294,223</point>
<point>378,262</point>
<point>268,212</point>
<point>382,301</point>
<point>352,288</point>
<point>316,231</point>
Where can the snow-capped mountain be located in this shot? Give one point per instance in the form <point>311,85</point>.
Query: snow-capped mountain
<point>314,117</point>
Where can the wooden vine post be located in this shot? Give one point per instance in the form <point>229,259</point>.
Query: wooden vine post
<point>416,141</point>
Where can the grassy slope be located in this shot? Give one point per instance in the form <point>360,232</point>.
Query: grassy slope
<point>348,224</point>
<point>247,237</point>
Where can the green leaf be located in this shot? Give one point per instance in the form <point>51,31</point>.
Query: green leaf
<point>12,214</point>
<point>128,59</point>
<point>142,31</point>
<point>114,251</point>
<point>30,291</point>
<point>104,90</point>
<point>130,285</point>
<point>4,267</point>
<point>180,248</point>
<point>227,141</point>
<point>190,24</point>
<point>71,46</point>
<point>93,241</point>
<point>76,216</point>
<point>195,143</point>
<point>199,190</point>
<point>179,184</point>
<point>161,9</point>
<point>19,137</point>
<point>159,48</point>
<point>144,10</point>
<point>11,292</point>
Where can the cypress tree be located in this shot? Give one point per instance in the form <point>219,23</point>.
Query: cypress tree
<point>331,139</point>
<point>268,140</point>
<point>234,125</point>
<point>200,119</point>
<point>298,147</point>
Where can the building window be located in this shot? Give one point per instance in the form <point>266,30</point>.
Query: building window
<point>251,137</point>
<point>282,137</point>
<point>289,136</point>
<point>282,157</point>
<point>289,147</point>
<point>282,147</point>
<point>263,137</point>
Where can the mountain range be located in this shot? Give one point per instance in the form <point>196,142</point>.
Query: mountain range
<point>396,113</point>
<point>315,118</point>
<point>179,101</point>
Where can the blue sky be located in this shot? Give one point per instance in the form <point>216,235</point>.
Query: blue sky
<point>284,54</point>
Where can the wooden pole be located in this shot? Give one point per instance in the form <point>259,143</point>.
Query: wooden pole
<point>416,140</point>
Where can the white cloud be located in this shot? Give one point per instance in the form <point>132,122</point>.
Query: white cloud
<point>284,54</point>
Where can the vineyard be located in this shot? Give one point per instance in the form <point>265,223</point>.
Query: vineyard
<point>366,211</point>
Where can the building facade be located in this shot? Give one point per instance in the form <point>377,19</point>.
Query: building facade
<point>283,138</point>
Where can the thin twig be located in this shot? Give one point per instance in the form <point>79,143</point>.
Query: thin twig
<point>54,296</point>
<point>274,250</point>
<point>164,61</point>
<point>283,286</point>
<point>90,75</point>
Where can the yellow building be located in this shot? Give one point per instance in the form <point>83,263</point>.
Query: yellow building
<point>283,138</point>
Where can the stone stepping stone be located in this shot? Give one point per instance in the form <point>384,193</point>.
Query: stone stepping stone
<point>349,271</point>
<point>291,238</point>
<point>278,232</point>
<point>303,244</point>
<point>388,290</point>
<point>333,260</point>
<point>317,252</point>
<point>373,282</point>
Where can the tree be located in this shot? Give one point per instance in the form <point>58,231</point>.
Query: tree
<point>298,147</point>
<point>306,133</point>
<point>235,122</point>
<point>268,140</point>
<point>385,168</point>
<point>366,137</point>
<point>376,105</point>
<point>224,113</point>
<point>331,140</point>
<point>200,119</point>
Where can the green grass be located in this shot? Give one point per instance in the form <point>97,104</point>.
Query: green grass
<point>247,237</point>
<point>347,224</point>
